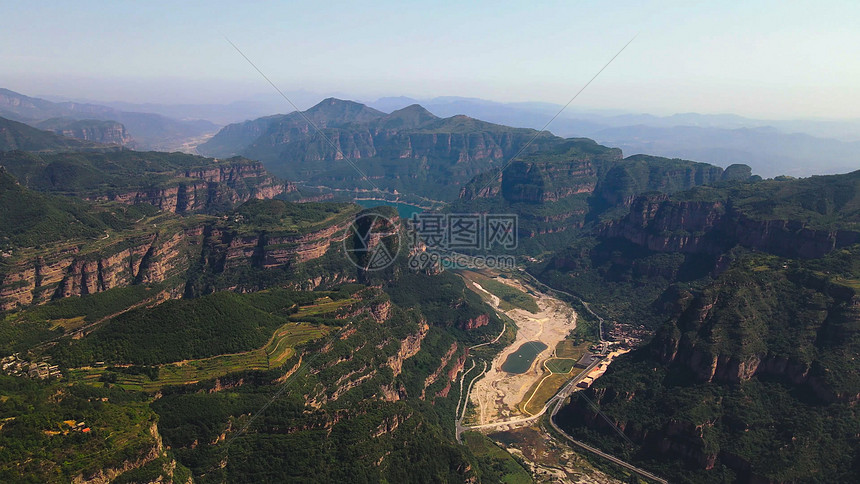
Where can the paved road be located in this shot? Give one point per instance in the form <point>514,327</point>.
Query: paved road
<point>458,427</point>
<point>584,304</point>
<point>559,401</point>
<point>462,379</point>
<point>556,403</point>
<point>609,457</point>
<point>560,396</point>
<point>504,327</point>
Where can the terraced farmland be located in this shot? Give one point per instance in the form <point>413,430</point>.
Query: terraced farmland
<point>274,354</point>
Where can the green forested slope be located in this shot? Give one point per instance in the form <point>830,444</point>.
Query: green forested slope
<point>19,136</point>
<point>752,373</point>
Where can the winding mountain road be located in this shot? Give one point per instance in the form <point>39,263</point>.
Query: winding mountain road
<point>555,403</point>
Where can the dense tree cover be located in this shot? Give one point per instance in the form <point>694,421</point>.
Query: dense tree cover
<point>828,202</point>
<point>444,301</point>
<point>323,428</point>
<point>26,328</point>
<point>92,307</point>
<point>19,136</point>
<point>791,418</point>
<point>496,464</point>
<point>759,429</point>
<point>29,219</point>
<point>792,319</point>
<point>369,442</point>
<point>293,440</point>
<point>344,414</point>
<point>176,330</point>
<point>342,409</point>
<point>107,172</point>
<point>623,281</point>
<point>37,446</point>
<point>563,193</point>
<point>281,216</point>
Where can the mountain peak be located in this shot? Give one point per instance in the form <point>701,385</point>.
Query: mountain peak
<point>411,116</point>
<point>333,101</point>
<point>333,110</point>
<point>414,108</point>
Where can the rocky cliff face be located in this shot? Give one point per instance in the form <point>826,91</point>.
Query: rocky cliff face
<point>161,254</point>
<point>209,187</point>
<point>105,476</point>
<point>713,345</point>
<point>409,347</point>
<point>550,181</point>
<point>761,307</point>
<point>150,258</point>
<point>476,322</point>
<point>584,167</point>
<point>105,132</point>
<point>665,225</point>
<point>622,182</point>
<point>426,163</point>
<point>440,371</point>
<point>691,436</point>
<point>460,148</point>
<point>227,248</point>
<point>563,187</point>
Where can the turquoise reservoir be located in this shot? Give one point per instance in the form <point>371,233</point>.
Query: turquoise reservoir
<point>519,361</point>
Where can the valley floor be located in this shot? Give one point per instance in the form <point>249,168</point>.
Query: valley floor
<point>500,403</point>
<point>497,395</point>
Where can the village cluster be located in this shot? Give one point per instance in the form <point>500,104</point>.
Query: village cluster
<point>14,365</point>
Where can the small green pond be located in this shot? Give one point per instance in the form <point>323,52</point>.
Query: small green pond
<point>519,361</point>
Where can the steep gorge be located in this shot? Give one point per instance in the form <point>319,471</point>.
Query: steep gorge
<point>173,182</point>
<point>159,254</point>
<point>663,224</point>
<point>754,351</point>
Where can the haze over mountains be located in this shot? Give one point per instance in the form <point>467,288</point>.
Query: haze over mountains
<point>771,147</point>
<point>409,150</point>
<point>185,290</point>
<point>366,242</point>
<point>175,293</point>
<point>149,131</point>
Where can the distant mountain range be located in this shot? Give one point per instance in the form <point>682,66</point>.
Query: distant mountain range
<point>769,151</point>
<point>408,151</point>
<point>170,297</point>
<point>150,131</point>
<point>105,132</point>
<point>770,147</point>
<point>20,136</point>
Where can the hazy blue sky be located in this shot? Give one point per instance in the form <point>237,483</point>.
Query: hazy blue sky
<point>758,58</point>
